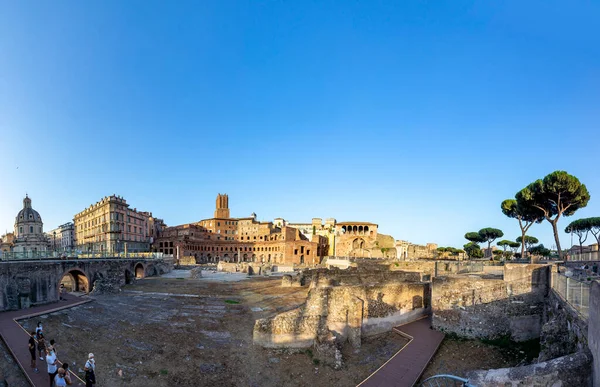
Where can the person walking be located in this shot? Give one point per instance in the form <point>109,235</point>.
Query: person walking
<point>41,345</point>
<point>65,366</point>
<point>38,328</point>
<point>90,371</point>
<point>53,344</point>
<point>52,363</point>
<point>32,345</point>
<point>59,379</point>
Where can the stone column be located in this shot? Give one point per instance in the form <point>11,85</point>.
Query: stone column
<point>355,317</point>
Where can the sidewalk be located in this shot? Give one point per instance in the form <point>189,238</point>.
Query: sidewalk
<point>16,338</point>
<point>406,367</point>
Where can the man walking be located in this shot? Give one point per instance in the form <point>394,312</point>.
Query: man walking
<point>90,371</point>
<point>52,361</point>
<point>32,352</point>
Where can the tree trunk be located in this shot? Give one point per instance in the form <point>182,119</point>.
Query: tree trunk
<point>555,229</point>
<point>489,250</point>
<point>522,243</point>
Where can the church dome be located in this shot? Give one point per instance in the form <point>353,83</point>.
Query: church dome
<point>27,214</point>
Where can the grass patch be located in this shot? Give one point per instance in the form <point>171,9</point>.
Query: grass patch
<point>232,302</point>
<point>164,372</point>
<point>316,362</point>
<point>180,278</point>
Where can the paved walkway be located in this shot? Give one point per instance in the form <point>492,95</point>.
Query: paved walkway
<point>406,367</point>
<point>16,338</point>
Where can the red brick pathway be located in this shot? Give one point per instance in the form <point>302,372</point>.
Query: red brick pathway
<point>16,338</point>
<point>406,367</point>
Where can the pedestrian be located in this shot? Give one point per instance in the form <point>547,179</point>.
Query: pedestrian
<point>61,291</point>
<point>32,352</point>
<point>52,363</point>
<point>39,328</point>
<point>41,345</point>
<point>90,371</point>
<point>53,344</point>
<point>65,366</point>
<point>59,379</point>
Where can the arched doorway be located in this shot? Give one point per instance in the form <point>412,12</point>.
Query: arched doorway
<point>139,271</point>
<point>75,281</point>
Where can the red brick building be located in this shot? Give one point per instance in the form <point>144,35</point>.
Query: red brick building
<point>240,240</point>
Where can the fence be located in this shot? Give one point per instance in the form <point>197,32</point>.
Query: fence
<point>444,268</point>
<point>575,293</point>
<point>49,255</point>
<point>589,256</point>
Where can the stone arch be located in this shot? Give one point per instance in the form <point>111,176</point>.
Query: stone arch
<point>344,229</point>
<point>366,229</point>
<point>245,257</point>
<point>75,280</point>
<point>360,230</point>
<point>302,259</point>
<point>139,271</point>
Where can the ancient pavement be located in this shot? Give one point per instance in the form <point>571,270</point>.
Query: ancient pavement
<point>16,338</point>
<point>406,367</point>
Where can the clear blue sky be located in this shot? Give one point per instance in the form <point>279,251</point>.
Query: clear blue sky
<point>420,116</point>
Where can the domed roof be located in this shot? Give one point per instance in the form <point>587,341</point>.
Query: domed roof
<point>28,214</point>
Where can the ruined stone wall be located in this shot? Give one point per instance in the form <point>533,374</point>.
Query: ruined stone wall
<point>336,277</point>
<point>425,267</point>
<point>29,283</point>
<point>570,370</point>
<point>563,331</point>
<point>347,311</point>
<point>474,306</point>
<point>594,331</point>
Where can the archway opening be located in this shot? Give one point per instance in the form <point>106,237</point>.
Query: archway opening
<point>75,281</point>
<point>139,271</point>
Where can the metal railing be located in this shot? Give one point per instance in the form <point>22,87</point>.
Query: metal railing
<point>576,293</point>
<point>58,255</point>
<point>446,380</point>
<point>589,256</point>
<point>444,268</point>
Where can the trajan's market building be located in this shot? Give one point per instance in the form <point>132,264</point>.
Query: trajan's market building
<point>241,240</point>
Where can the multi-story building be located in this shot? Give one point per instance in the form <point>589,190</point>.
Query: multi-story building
<point>111,225</point>
<point>241,239</point>
<point>62,238</point>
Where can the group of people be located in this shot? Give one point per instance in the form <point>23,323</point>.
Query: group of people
<point>58,372</point>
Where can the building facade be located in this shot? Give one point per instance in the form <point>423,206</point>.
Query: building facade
<point>62,238</point>
<point>29,230</point>
<point>111,225</point>
<point>7,242</point>
<point>241,240</point>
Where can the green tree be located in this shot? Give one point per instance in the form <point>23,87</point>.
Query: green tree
<point>504,244</point>
<point>528,241</point>
<point>489,235</point>
<point>594,226</point>
<point>514,246</point>
<point>581,228</point>
<point>540,250</point>
<point>558,194</point>
<point>474,237</point>
<point>473,250</point>
<point>526,215</point>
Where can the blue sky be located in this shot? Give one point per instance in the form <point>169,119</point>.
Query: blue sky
<point>419,116</point>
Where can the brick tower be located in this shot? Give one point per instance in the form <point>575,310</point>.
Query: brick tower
<point>222,210</point>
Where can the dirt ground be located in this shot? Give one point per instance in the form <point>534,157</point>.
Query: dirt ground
<point>458,356</point>
<point>9,370</point>
<point>192,332</point>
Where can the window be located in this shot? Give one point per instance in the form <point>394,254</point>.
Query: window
<point>31,229</point>
<point>21,230</point>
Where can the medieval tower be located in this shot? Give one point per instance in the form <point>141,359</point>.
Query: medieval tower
<point>222,210</point>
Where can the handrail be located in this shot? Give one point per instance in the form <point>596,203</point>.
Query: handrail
<point>445,377</point>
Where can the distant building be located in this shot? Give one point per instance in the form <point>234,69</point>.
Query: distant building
<point>110,225</point>
<point>62,238</point>
<point>7,242</point>
<point>409,251</point>
<point>224,238</point>
<point>29,230</point>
